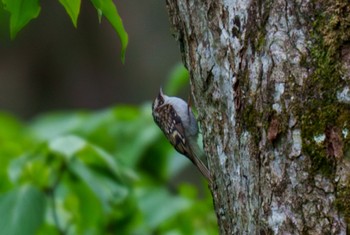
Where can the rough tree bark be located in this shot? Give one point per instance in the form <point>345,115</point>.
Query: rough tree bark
<point>271,83</point>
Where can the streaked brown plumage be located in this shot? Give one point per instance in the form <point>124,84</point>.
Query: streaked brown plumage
<point>176,120</point>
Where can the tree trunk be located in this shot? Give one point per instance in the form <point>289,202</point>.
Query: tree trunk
<point>271,83</point>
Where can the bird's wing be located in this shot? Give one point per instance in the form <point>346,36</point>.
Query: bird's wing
<point>172,127</point>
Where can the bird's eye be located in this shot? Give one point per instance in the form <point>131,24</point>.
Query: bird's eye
<point>160,100</point>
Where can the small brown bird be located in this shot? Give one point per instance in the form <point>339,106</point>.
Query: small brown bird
<point>175,118</point>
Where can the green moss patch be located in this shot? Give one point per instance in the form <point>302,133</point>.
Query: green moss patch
<point>320,109</point>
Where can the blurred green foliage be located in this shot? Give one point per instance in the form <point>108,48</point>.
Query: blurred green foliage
<point>102,172</point>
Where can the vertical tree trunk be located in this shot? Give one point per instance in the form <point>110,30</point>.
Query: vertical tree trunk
<point>271,82</point>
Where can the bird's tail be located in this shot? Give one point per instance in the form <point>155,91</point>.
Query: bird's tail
<point>203,169</point>
<point>196,153</point>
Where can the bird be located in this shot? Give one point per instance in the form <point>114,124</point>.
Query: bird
<point>179,125</point>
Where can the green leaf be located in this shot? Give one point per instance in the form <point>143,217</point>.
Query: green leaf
<point>177,79</point>
<point>38,167</point>
<point>71,146</point>
<point>154,214</point>
<point>83,206</point>
<point>52,125</point>
<point>21,211</point>
<point>107,190</point>
<point>12,144</point>
<point>134,131</point>
<point>72,7</point>
<point>68,146</point>
<point>22,11</point>
<point>35,171</point>
<point>50,229</point>
<point>109,10</point>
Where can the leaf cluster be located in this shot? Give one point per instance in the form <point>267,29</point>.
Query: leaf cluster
<point>23,11</point>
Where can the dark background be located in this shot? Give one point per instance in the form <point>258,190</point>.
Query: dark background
<point>51,65</point>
